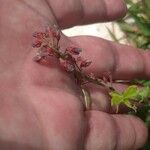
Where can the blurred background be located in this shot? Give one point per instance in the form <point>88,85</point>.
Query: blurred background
<point>99,29</point>
<point>133,30</point>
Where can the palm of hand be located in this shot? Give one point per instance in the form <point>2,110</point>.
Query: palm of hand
<point>41,107</point>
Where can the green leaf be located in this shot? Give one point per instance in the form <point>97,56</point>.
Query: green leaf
<point>144,27</point>
<point>147,3</point>
<point>134,8</point>
<point>113,36</point>
<point>141,82</point>
<point>128,28</point>
<point>130,92</point>
<point>116,98</point>
<point>144,93</point>
<point>147,83</point>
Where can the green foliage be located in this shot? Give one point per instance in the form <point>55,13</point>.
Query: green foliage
<point>136,25</point>
<point>136,29</point>
<point>143,94</point>
<point>129,96</point>
<point>141,82</point>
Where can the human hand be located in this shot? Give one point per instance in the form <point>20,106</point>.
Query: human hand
<point>40,105</point>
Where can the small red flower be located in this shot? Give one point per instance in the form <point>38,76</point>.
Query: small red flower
<point>67,66</point>
<point>37,58</point>
<point>85,63</point>
<point>107,77</point>
<point>38,35</point>
<point>41,55</point>
<point>53,32</point>
<point>37,44</point>
<point>74,50</point>
<point>47,49</point>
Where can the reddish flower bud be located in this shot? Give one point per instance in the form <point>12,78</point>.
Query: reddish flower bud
<point>85,63</point>
<point>79,59</point>
<point>107,77</point>
<point>74,50</point>
<point>37,58</point>
<point>37,44</point>
<point>38,35</point>
<point>67,66</point>
<point>53,32</point>
<point>47,50</point>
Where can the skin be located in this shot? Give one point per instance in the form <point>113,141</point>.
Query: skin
<point>40,106</point>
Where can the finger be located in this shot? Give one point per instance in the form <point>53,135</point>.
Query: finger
<point>146,57</point>
<point>124,62</point>
<point>117,132</point>
<point>86,11</point>
<point>132,133</point>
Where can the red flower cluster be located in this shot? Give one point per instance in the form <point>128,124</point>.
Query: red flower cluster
<point>73,61</point>
<point>45,43</point>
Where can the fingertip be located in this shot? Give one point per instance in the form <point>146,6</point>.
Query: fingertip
<point>123,9</point>
<point>116,10</point>
<point>141,132</point>
<point>132,133</point>
<point>146,56</point>
<point>101,131</point>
